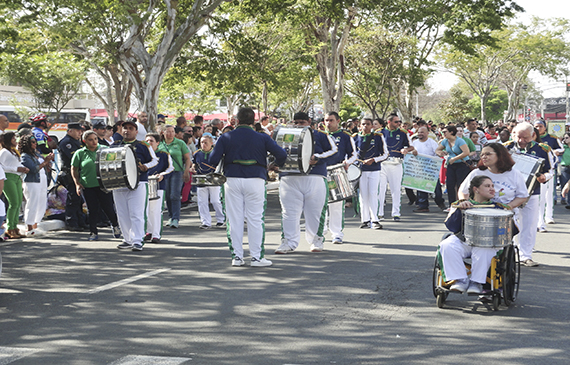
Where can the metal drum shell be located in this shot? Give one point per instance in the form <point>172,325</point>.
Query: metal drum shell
<point>118,172</point>
<point>211,179</point>
<point>153,188</point>
<point>302,140</point>
<point>338,184</point>
<point>486,227</point>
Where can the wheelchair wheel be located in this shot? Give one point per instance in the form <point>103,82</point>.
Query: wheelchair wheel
<point>511,274</point>
<point>435,277</point>
<point>440,301</point>
<point>496,301</point>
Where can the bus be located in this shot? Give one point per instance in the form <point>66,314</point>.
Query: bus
<point>57,128</point>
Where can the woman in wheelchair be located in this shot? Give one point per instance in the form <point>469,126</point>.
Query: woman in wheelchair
<point>453,249</point>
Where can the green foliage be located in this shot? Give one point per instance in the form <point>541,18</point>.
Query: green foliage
<point>455,108</point>
<point>349,109</point>
<point>497,103</point>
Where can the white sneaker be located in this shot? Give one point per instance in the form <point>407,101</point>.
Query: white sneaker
<point>317,247</point>
<point>550,221</point>
<point>475,288</point>
<point>260,262</point>
<point>460,285</point>
<point>237,261</point>
<point>283,249</point>
<point>337,241</point>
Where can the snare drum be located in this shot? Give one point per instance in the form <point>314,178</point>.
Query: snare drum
<point>339,186</point>
<point>153,188</point>
<point>486,227</point>
<point>298,142</point>
<point>353,173</point>
<point>117,168</point>
<point>211,179</point>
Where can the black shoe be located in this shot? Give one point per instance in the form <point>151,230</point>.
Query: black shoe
<point>376,225</point>
<point>442,206</point>
<point>411,202</point>
<point>365,225</point>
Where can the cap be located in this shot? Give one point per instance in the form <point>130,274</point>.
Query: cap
<point>75,126</point>
<point>160,116</point>
<point>131,122</point>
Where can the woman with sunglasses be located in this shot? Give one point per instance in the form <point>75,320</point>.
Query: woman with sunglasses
<point>35,183</point>
<point>456,152</point>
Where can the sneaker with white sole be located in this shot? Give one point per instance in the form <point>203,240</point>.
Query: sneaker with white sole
<point>283,249</point>
<point>174,223</point>
<point>93,237</point>
<point>460,285</point>
<point>137,247</point>
<point>317,247</point>
<point>169,223</point>
<point>260,262</point>
<point>376,225</point>
<point>220,225</point>
<point>237,261</point>
<point>116,232</point>
<point>529,263</point>
<point>365,225</point>
<point>124,245</point>
<point>337,241</point>
<point>475,288</point>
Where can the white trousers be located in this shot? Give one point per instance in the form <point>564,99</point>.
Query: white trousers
<point>546,203</point>
<point>527,221</point>
<point>453,251</point>
<point>36,200</point>
<point>210,194</point>
<point>391,174</point>
<point>307,195</point>
<point>336,219</point>
<point>154,217</point>
<point>132,209</point>
<point>368,193</point>
<point>244,200</point>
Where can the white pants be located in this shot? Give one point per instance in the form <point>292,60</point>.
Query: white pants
<point>453,251</point>
<point>545,204</point>
<point>391,174</point>
<point>132,209</point>
<point>245,199</point>
<point>154,217</point>
<point>368,193</point>
<point>336,219</point>
<point>36,200</point>
<point>527,221</point>
<point>211,194</point>
<point>307,195</point>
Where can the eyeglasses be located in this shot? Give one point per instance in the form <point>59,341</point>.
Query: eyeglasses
<point>396,121</point>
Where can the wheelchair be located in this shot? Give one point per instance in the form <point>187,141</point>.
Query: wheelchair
<point>502,278</point>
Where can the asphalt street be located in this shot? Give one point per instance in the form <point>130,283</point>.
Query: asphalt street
<point>64,300</point>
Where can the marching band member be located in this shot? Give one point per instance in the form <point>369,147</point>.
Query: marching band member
<point>207,194</point>
<point>371,149</point>
<point>397,141</point>
<point>306,194</point>
<point>163,168</point>
<point>131,205</point>
<point>244,155</point>
<point>523,142</point>
<point>347,155</point>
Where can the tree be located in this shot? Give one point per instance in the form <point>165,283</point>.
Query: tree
<point>495,106</point>
<point>454,109</point>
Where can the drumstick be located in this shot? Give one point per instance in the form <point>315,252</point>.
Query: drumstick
<point>212,167</point>
<point>476,206</point>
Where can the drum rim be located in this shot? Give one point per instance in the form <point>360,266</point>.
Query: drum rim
<point>124,164</point>
<point>359,172</point>
<point>122,151</point>
<point>501,212</point>
<point>304,132</point>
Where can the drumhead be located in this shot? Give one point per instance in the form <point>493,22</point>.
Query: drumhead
<point>489,212</point>
<point>131,169</point>
<point>306,150</point>
<point>353,173</point>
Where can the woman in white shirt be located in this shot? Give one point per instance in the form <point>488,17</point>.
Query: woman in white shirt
<point>12,165</point>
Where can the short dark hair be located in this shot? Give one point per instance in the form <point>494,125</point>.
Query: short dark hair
<point>154,135</point>
<point>334,114</point>
<point>451,129</point>
<point>246,116</point>
<point>301,116</point>
<point>504,160</point>
<point>198,119</point>
<point>392,116</point>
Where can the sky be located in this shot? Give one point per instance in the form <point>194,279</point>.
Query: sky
<point>542,9</point>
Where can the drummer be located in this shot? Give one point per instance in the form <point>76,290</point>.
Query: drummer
<point>346,155</point>
<point>306,194</point>
<point>207,194</point>
<point>132,204</point>
<point>453,249</point>
<point>163,168</point>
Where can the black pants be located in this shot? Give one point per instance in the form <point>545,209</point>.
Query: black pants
<point>456,173</point>
<point>97,200</point>
<point>74,216</point>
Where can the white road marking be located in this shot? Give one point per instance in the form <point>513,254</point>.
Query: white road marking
<point>10,354</point>
<point>150,360</point>
<point>125,281</point>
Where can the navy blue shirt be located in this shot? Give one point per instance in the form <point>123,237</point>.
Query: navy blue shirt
<point>67,147</point>
<point>376,149</point>
<point>164,163</point>
<point>395,141</point>
<point>144,154</point>
<point>244,153</point>
<point>345,146</point>
<point>201,163</point>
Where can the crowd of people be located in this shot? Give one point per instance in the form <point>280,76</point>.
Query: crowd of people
<point>167,157</point>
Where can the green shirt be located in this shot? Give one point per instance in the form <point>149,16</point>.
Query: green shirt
<point>84,159</point>
<point>177,149</point>
<point>470,144</point>
<point>565,159</point>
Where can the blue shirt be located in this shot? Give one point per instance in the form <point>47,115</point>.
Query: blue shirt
<point>345,146</point>
<point>144,154</point>
<point>376,149</point>
<point>201,163</point>
<point>244,153</point>
<point>455,150</point>
<point>164,164</point>
<point>395,141</point>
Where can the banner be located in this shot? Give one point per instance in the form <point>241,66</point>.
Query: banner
<point>556,129</point>
<point>421,172</point>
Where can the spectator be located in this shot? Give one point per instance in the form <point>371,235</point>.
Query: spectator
<point>141,125</point>
<point>4,123</point>
<point>100,128</point>
<point>160,119</point>
<point>35,183</point>
<point>12,164</point>
<point>2,205</point>
<point>456,152</point>
<point>179,133</point>
<point>199,121</point>
<point>118,131</point>
<point>181,122</point>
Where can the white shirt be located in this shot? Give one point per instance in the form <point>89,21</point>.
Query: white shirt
<point>10,162</point>
<point>141,134</point>
<point>425,148</point>
<point>508,185</point>
<point>2,206</point>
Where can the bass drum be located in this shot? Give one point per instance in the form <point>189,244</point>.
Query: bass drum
<point>339,186</point>
<point>117,168</point>
<point>298,142</point>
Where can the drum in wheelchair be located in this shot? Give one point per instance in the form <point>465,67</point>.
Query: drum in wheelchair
<point>502,277</point>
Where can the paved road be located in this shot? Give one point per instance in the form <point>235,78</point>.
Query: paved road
<point>64,300</point>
